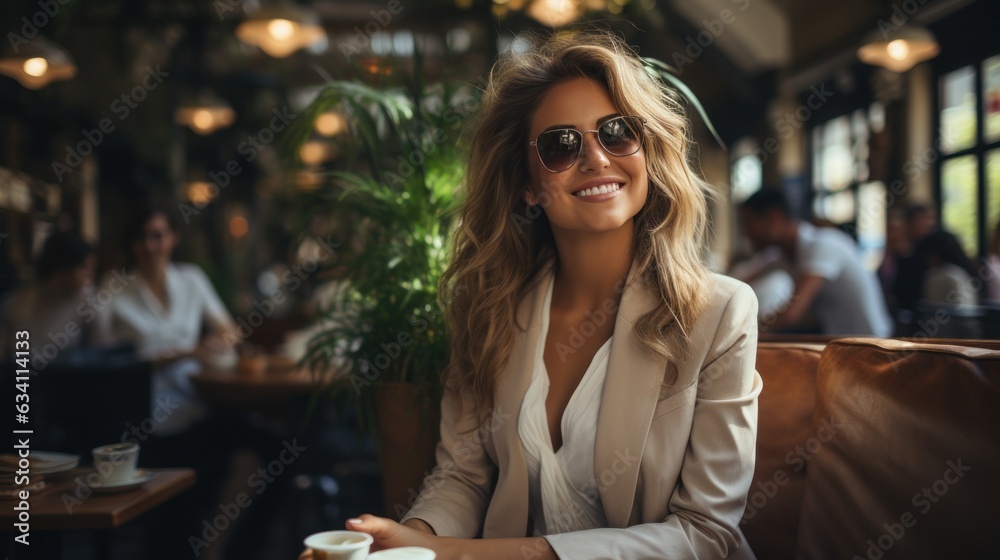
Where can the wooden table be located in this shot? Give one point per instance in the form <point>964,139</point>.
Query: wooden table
<point>235,389</point>
<point>99,511</point>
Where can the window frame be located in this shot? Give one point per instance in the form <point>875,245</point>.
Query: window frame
<point>980,148</point>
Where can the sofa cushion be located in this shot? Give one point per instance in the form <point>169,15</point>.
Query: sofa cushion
<point>784,425</point>
<point>913,468</point>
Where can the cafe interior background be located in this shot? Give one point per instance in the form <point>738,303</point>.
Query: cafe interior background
<point>248,120</point>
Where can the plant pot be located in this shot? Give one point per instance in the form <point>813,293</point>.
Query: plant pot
<point>407,436</point>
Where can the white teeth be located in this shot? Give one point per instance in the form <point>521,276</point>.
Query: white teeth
<point>601,189</point>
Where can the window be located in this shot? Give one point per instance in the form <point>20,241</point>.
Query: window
<point>969,136</point>
<point>747,173</point>
<point>842,191</point>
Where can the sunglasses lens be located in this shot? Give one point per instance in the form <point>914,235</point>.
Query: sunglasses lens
<point>621,136</point>
<point>559,149</point>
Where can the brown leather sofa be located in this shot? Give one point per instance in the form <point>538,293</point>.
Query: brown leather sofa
<point>877,449</point>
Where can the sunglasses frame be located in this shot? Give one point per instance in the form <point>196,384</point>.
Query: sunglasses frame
<point>642,135</point>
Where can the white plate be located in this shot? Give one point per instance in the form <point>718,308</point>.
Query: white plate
<point>141,477</point>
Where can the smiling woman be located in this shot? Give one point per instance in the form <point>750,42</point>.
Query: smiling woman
<point>579,310</point>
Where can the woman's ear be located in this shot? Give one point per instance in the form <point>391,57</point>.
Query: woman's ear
<point>529,198</point>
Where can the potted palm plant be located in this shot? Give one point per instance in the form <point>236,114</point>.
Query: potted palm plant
<point>398,181</point>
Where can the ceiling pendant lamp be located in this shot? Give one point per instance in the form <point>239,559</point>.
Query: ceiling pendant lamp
<point>899,49</point>
<point>554,13</point>
<point>281,30</point>
<point>206,115</point>
<point>38,63</point>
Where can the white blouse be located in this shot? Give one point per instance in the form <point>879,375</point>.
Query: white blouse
<point>563,487</point>
<point>135,315</point>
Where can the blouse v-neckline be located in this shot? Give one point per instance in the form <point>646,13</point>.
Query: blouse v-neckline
<point>156,305</point>
<point>559,481</point>
<point>587,384</point>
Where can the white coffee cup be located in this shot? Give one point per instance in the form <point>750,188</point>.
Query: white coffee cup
<point>403,553</point>
<point>339,545</point>
<point>116,462</point>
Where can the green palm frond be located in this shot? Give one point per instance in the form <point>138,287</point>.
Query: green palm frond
<point>663,71</point>
<point>398,178</point>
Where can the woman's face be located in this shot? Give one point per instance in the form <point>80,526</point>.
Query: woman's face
<point>82,275</point>
<point>584,104</point>
<point>156,242</point>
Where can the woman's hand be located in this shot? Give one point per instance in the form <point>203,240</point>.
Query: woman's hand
<point>216,350</point>
<point>389,534</point>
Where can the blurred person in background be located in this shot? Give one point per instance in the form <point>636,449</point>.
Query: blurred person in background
<point>992,263</point>
<point>162,307</point>
<point>54,308</point>
<point>173,316</point>
<point>829,275</point>
<point>948,287</point>
<point>908,287</point>
<point>897,247</point>
<point>949,272</point>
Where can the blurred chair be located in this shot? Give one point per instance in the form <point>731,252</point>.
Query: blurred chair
<point>943,320</point>
<point>991,318</point>
<point>90,398</point>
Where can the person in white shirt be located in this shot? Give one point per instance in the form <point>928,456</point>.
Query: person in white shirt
<point>161,307</point>
<point>830,277</point>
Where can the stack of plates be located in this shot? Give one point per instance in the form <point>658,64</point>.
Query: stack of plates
<point>9,489</point>
<point>40,465</point>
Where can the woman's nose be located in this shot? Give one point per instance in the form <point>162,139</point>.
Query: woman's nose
<point>593,155</point>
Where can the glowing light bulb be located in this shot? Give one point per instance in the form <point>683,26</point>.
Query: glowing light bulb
<point>202,119</point>
<point>554,13</point>
<point>330,124</point>
<point>312,153</point>
<point>36,67</point>
<point>199,193</point>
<point>238,226</point>
<point>898,49</point>
<point>281,29</point>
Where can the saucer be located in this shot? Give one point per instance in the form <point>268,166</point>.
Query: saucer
<point>141,477</point>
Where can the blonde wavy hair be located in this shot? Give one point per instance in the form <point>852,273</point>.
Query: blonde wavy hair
<point>500,244</point>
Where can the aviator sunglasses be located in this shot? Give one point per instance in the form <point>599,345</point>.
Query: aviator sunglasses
<point>559,149</point>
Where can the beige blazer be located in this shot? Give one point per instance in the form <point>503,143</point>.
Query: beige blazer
<point>673,464</point>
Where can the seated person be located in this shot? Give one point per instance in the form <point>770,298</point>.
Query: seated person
<point>947,284</point>
<point>908,288</point>
<point>659,393</point>
<point>54,309</point>
<point>948,278</point>
<point>161,310</point>
<point>829,274</point>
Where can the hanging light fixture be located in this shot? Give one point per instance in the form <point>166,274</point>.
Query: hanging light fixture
<point>554,13</point>
<point>37,63</point>
<point>899,50</point>
<point>206,115</point>
<point>281,30</point>
<point>331,124</point>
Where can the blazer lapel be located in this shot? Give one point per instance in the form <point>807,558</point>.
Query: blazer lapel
<point>508,511</point>
<point>631,391</point>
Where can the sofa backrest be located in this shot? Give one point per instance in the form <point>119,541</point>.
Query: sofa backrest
<point>784,430</point>
<point>912,468</point>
